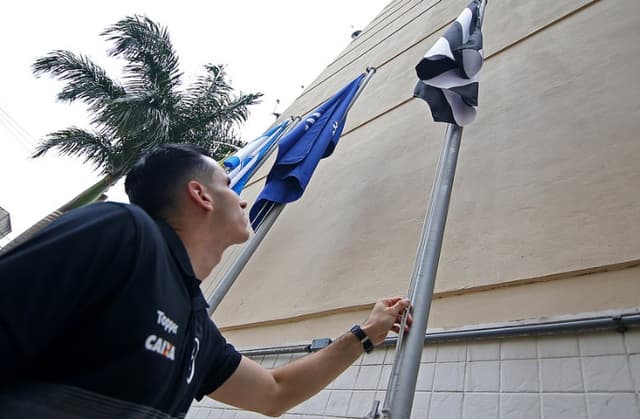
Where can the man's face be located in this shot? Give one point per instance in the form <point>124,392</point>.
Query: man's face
<point>228,215</point>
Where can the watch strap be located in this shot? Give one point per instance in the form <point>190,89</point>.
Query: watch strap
<point>367,345</point>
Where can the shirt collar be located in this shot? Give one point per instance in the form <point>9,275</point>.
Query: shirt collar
<point>181,257</point>
<point>179,253</point>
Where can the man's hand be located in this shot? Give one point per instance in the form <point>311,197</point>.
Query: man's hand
<point>386,316</point>
<point>272,392</point>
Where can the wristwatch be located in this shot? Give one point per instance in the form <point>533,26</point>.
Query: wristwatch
<point>362,337</point>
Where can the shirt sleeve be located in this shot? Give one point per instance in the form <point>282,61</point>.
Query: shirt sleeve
<point>59,276</point>
<point>223,360</point>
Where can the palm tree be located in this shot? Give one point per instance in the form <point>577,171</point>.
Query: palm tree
<point>146,110</point>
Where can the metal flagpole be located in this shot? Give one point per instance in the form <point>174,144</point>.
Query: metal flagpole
<point>234,271</point>
<point>274,146</point>
<point>241,260</point>
<point>404,374</point>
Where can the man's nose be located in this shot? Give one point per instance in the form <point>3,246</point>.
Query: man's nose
<point>243,204</point>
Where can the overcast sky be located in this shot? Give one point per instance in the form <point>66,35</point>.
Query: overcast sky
<point>274,47</point>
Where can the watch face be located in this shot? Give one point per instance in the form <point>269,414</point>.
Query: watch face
<point>356,330</point>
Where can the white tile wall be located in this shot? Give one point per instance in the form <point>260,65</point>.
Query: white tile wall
<point>519,348</point>
<point>449,376</point>
<point>360,403</point>
<point>558,346</point>
<point>564,406</point>
<point>635,371</point>
<point>348,379</point>
<point>445,406</point>
<point>451,352</point>
<point>601,344</point>
<point>374,358</point>
<point>484,351</point>
<point>561,375</point>
<point>383,382</point>
<point>368,377</point>
<point>519,406</point>
<point>519,376</point>
<point>425,377</point>
<point>480,406</point>
<point>428,353</point>
<point>632,341</point>
<point>566,376</point>
<point>483,376</point>
<point>420,408</point>
<point>607,373</point>
<point>609,406</point>
<point>338,403</point>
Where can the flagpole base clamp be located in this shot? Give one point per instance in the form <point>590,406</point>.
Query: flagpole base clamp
<point>373,413</point>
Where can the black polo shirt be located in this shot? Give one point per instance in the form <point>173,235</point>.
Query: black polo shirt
<point>101,315</point>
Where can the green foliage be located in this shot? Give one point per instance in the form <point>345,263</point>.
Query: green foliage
<point>149,107</point>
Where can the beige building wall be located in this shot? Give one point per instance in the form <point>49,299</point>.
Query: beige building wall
<point>546,197</point>
<point>544,221</point>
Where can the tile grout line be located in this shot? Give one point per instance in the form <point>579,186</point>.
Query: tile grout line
<point>634,380</point>
<point>582,375</point>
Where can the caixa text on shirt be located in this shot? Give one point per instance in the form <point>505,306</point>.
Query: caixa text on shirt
<point>160,346</point>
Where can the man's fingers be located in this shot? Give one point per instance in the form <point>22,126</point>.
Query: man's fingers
<point>400,305</point>
<point>389,302</point>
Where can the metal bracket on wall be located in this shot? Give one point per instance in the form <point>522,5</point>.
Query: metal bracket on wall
<point>373,413</point>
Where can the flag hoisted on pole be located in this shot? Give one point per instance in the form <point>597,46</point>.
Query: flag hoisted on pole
<point>299,152</point>
<point>244,163</point>
<point>449,83</point>
<point>449,71</point>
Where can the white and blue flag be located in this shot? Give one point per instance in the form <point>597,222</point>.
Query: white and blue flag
<point>449,71</point>
<point>300,151</point>
<point>243,164</point>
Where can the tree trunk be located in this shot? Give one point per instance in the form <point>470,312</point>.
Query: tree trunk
<point>89,195</point>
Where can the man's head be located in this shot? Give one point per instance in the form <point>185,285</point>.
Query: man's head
<point>181,181</point>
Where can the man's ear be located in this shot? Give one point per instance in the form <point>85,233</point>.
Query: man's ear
<point>199,195</point>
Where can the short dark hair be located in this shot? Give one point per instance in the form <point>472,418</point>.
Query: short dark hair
<point>155,180</point>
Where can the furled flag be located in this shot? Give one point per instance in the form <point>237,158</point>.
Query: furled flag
<point>448,73</point>
<point>299,151</point>
<point>243,164</point>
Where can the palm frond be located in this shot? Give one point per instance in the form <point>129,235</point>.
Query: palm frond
<point>136,115</point>
<point>86,80</point>
<point>220,138</point>
<point>127,153</point>
<point>78,142</point>
<point>233,111</point>
<point>148,48</point>
<point>212,86</point>
<point>209,101</point>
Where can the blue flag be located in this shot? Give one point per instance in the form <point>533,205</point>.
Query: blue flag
<point>299,152</point>
<point>243,164</point>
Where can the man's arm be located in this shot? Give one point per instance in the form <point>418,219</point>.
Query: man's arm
<point>273,392</point>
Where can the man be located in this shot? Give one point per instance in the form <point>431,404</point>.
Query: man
<point>101,313</point>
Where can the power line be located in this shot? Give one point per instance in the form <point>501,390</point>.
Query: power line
<point>17,131</point>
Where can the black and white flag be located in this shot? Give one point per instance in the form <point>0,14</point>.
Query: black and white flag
<point>448,72</point>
